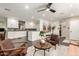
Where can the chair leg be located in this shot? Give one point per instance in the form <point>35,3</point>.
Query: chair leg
<point>34,52</point>
<point>48,50</point>
<point>55,47</point>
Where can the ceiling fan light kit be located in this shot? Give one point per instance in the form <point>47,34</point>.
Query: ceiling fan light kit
<point>47,8</point>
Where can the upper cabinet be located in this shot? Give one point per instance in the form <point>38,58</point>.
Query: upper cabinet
<point>12,23</point>
<point>3,22</point>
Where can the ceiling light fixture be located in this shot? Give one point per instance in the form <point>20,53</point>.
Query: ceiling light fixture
<point>47,9</point>
<point>13,21</point>
<point>71,6</point>
<point>31,23</point>
<point>72,14</point>
<point>27,7</point>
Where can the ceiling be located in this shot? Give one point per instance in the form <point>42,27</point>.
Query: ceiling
<point>18,10</point>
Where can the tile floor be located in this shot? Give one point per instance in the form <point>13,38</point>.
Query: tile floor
<point>61,50</point>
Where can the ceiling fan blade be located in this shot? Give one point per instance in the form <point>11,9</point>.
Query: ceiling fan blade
<point>49,5</point>
<point>42,10</point>
<point>41,6</point>
<point>52,10</point>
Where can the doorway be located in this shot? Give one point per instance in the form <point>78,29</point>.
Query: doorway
<point>74,29</point>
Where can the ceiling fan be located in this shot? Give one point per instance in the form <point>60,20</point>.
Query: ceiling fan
<point>47,6</point>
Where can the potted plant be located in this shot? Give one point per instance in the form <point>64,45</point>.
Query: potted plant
<point>42,41</point>
<point>41,33</point>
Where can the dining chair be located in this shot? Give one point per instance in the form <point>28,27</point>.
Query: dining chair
<point>8,48</point>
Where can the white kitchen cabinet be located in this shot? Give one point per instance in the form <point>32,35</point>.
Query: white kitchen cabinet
<point>35,35</point>
<point>12,23</point>
<point>16,34</point>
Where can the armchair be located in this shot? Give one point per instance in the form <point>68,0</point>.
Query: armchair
<point>8,48</point>
<point>53,39</point>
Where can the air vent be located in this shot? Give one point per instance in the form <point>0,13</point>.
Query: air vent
<point>6,9</point>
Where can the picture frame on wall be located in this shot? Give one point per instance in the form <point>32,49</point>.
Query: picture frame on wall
<point>44,28</point>
<point>49,28</point>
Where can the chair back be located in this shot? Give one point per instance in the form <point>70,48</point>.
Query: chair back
<point>54,38</point>
<point>7,44</point>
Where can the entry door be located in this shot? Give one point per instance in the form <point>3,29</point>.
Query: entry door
<point>74,29</point>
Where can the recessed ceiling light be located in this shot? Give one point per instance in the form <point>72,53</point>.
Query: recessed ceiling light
<point>13,21</point>
<point>47,9</point>
<point>31,23</point>
<point>27,7</point>
<point>71,5</point>
<point>43,14</point>
<point>72,14</point>
<point>32,17</point>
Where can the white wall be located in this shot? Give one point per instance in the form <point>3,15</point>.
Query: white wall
<point>64,28</point>
<point>32,24</point>
<point>34,35</point>
<point>29,24</point>
<point>16,34</point>
<point>41,25</point>
<point>43,22</point>
<point>70,28</point>
<point>12,23</point>
<point>56,24</point>
<point>3,22</point>
<point>74,29</point>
